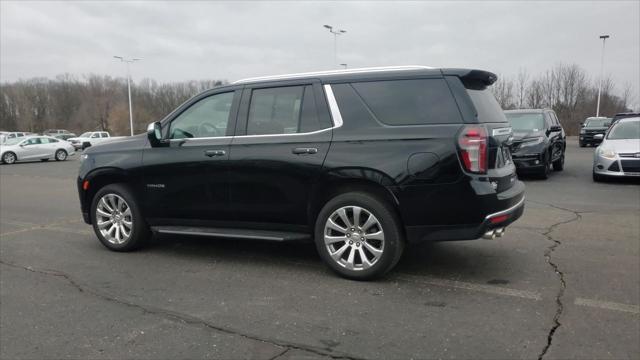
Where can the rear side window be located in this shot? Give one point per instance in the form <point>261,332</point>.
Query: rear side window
<point>409,102</point>
<point>283,110</point>
<point>487,108</point>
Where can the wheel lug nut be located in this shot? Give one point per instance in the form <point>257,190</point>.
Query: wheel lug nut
<point>350,242</point>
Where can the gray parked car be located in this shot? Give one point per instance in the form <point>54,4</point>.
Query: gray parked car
<point>619,153</point>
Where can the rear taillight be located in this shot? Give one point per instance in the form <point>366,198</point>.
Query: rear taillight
<point>473,149</point>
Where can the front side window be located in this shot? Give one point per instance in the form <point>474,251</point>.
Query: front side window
<point>33,141</point>
<point>208,117</point>
<point>95,136</point>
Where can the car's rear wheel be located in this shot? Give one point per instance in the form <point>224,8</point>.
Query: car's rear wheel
<point>61,155</point>
<point>359,236</point>
<point>9,158</point>
<point>117,220</point>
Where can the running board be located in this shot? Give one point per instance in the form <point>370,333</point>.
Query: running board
<point>249,234</point>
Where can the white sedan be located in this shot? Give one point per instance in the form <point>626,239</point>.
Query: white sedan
<point>35,148</point>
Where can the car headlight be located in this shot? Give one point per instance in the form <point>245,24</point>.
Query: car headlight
<point>608,153</point>
<point>583,131</point>
<point>532,141</point>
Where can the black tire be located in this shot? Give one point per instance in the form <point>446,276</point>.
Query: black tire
<point>546,170</point>
<point>9,158</point>
<point>386,217</point>
<point>558,165</point>
<point>61,155</point>
<point>581,144</point>
<point>598,177</point>
<point>139,232</point>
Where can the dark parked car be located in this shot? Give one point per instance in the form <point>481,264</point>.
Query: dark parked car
<point>619,116</point>
<point>539,141</point>
<point>591,127</point>
<point>362,161</point>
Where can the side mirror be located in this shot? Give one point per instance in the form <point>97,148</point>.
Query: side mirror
<point>598,136</point>
<point>154,133</point>
<point>555,128</point>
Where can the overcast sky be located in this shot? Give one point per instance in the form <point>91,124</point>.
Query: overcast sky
<point>231,40</point>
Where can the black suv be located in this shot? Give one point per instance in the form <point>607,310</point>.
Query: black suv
<point>539,141</point>
<point>362,161</point>
<point>591,127</point>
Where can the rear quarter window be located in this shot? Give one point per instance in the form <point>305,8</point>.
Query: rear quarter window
<point>409,102</point>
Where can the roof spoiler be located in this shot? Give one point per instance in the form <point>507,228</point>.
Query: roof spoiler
<point>469,77</point>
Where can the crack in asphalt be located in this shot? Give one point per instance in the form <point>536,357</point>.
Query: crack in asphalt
<point>187,319</point>
<point>559,273</point>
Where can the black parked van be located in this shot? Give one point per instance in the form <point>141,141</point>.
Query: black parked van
<point>362,161</point>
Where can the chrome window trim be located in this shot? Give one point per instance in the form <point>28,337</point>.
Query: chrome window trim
<point>333,72</point>
<point>336,118</point>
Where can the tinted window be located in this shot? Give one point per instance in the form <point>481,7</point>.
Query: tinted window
<point>104,135</point>
<point>284,110</point>
<point>95,136</point>
<point>208,117</point>
<point>49,141</point>
<point>409,102</point>
<point>487,108</point>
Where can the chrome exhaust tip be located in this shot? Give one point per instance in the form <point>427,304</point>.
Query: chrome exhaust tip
<point>489,235</point>
<point>500,232</point>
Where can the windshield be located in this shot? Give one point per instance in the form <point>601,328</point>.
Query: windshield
<point>597,123</point>
<point>526,121</point>
<point>625,130</point>
<point>87,134</point>
<point>13,141</point>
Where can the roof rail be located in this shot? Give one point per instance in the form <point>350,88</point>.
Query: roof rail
<point>333,72</point>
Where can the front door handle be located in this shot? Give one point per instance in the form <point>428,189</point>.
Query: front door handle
<point>212,153</point>
<point>301,151</point>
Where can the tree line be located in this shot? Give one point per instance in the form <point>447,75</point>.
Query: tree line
<point>91,103</point>
<point>565,88</point>
<point>95,102</point>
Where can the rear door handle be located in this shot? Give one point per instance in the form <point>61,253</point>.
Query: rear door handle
<point>301,151</point>
<point>212,153</point>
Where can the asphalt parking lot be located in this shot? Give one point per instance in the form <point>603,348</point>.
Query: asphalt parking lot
<point>564,282</point>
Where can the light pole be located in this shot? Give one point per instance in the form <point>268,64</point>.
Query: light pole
<point>128,62</point>
<point>604,39</point>
<point>345,65</point>
<point>335,33</point>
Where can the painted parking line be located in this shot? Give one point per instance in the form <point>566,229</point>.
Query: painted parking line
<point>490,289</point>
<point>608,305</point>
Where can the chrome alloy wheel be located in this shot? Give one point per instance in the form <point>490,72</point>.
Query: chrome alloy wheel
<point>9,158</point>
<point>354,237</point>
<point>113,218</point>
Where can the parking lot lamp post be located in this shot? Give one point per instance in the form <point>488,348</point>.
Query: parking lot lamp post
<point>128,62</point>
<point>604,38</point>
<point>335,33</point>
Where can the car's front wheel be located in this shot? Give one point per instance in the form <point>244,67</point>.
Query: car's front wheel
<point>61,155</point>
<point>9,158</point>
<point>117,220</point>
<point>359,236</point>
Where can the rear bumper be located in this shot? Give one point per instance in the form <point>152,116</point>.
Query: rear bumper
<point>496,210</point>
